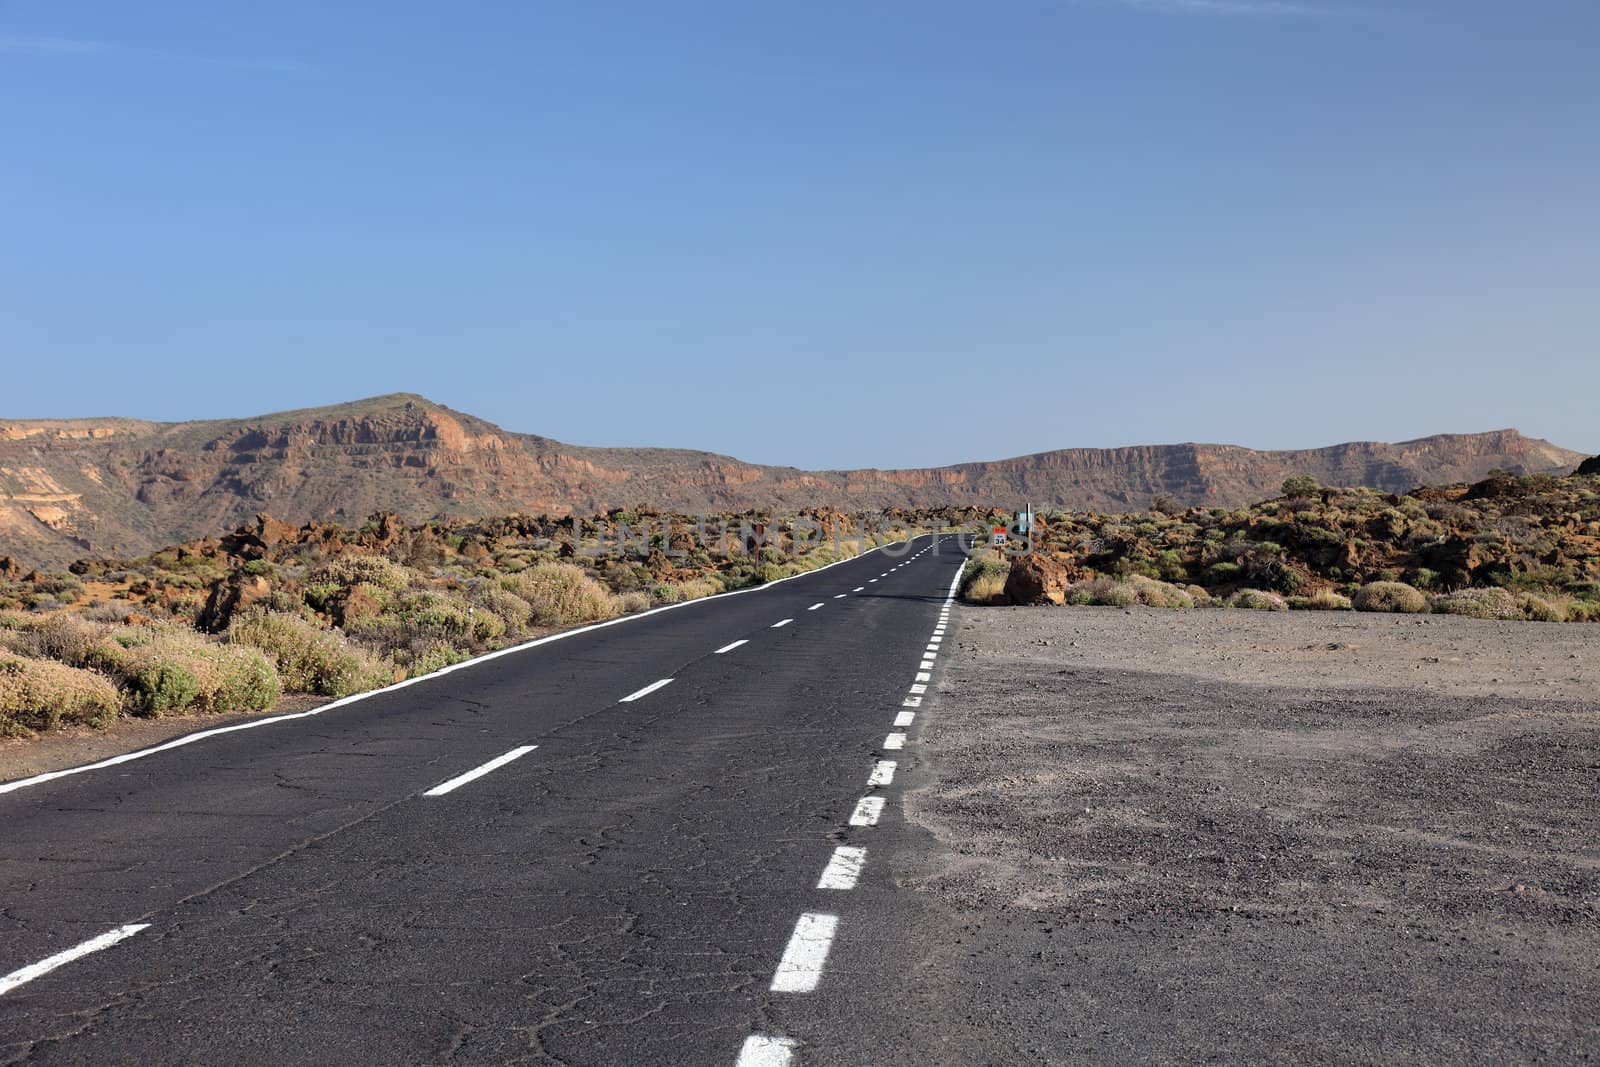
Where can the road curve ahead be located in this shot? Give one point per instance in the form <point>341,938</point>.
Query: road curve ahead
<point>646,843</point>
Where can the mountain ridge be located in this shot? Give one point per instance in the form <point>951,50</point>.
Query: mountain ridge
<point>123,487</point>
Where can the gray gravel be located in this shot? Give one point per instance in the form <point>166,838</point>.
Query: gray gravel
<point>1230,836</point>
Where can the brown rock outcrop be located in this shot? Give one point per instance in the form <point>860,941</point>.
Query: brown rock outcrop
<point>1039,578</point>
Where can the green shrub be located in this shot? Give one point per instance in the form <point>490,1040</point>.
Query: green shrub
<point>432,658</point>
<point>38,694</point>
<point>1391,597</point>
<point>983,578</point>
<point>1257,600</point>
<point>1541,609</point>
<point>309,659</point>
<point>1221,574</point>
<point>176,670</point>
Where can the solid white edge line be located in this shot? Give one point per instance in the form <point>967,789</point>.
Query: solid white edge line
<point>730,648</point>
<point>894,742</point>
<point>760,1050</point>
<point>646,691</point>
<point>201,735</point>
<point>868,809</point>
<point>24,975</point>
<point>800,969</point>
<point>478,772</point>
<point>844,868</point>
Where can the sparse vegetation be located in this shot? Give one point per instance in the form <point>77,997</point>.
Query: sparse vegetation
<point>1394,597</point>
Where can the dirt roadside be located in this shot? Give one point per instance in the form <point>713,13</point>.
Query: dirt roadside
<point>1227,836</point>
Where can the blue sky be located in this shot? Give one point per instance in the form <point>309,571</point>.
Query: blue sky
<point>865,233</point>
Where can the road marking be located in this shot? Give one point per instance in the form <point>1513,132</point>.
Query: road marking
<point>905,718</point>
<point>871,580</point>
<point>45,966</point>
<point>844,869</point>
<point>762,1051</point>
<point>867,811</point>
<point>800,969</point>
<point>840,596</point>
<point>815,606</point>
<point>927,664</point>
<point>646,691</point>
<point>858,589</point>
<point>882,772</point>
<point>923,676</point>
<point>730,648</point>
<point>780,624</point>
<point>894,742</point>
<point>478,772</point>
<point>918,689</point>
<point>911,702</point>
<point>511,650</point>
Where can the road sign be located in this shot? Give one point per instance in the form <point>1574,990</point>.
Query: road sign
<point>999,535</point>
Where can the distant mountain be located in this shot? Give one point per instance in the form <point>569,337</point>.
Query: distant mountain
<point>121,487</point>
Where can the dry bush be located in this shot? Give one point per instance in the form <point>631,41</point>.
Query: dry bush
<point>353,570</point>
<point>982,578</point>
<point>38,694</point>
<point>514,611</point>
<point>695,589</point>
<point>634,602</point>
<point>175,670</point>
<point>1395,597</point>
<point>1127,592</point>
<point>1326,600</point>
<point>1257,600</point>
<point>563,595</point>
<point>308,658</point>
<point>1479,604</point>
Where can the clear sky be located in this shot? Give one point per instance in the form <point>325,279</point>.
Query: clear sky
<point>827,233</point>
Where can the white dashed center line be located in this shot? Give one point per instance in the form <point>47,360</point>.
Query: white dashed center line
<point>858,589</point>
<point>646,691</point>
<point>478,772</point>
<point>781,623</point>
<point>27,974</point>
<point>844,869</point>
<point>840,596</point>
<point>800,969</point>
<point>730,648</point>
<point>815,606</point>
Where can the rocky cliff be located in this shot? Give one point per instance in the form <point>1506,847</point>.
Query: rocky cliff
<point>121,487</point>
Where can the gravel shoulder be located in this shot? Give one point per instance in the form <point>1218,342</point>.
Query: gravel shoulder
<point>1221,835</point>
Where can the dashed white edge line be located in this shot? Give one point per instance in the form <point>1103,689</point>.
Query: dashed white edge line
<point>868,809</point>
<point>478,772</point>
<point>24,975</point>
<point>894,742</point>
<point>760,1050</point>
<point>844,868</point>
<point>882,772</point>
<point>646,691</point>
<point>905,718</point>
<point>202,735</point>
<point>730,648</point>
<point>800,969</point>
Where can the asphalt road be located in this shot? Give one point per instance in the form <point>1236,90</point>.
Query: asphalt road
<point>671,879</point>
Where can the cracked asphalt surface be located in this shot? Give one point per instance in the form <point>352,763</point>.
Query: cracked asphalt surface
<point>621,895</point>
